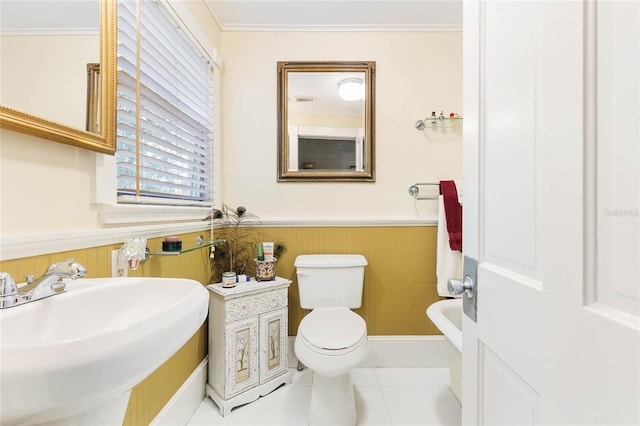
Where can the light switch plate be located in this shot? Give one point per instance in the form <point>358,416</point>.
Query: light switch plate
<point>124,272</point>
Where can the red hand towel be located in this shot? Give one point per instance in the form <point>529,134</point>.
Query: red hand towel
<point>453,213</point>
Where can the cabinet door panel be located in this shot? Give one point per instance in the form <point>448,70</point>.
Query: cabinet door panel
<point>273,344</point>
<point>242,356</point>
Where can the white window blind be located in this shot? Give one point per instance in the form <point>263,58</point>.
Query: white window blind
<point>165,109</point>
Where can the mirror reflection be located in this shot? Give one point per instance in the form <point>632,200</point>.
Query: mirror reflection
<point>326,121</point>
<point>46,46</point>
<point>58,70</point>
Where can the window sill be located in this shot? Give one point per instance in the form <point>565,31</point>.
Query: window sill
<point>119,214</point>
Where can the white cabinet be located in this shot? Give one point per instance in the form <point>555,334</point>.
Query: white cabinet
<point>247,341</point>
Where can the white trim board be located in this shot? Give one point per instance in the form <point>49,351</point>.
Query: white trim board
<point>301,223</point>
<point>185,402</point>
<point>343,28</point>
<point>397,352</point>
<point>25,245</point>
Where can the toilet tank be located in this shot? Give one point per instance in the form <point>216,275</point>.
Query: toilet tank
<point>330,280</point>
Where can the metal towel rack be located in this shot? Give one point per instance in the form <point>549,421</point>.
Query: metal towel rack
<point>414,191</point>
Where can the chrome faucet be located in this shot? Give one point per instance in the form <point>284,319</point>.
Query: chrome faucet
<point>49,284</point>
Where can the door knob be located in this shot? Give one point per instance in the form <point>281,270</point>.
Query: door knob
<point>456,287</point>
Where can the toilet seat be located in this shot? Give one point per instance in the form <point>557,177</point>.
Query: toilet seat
<point>332,331</point>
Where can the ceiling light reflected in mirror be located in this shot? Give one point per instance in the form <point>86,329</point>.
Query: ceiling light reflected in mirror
<point>351,89</point>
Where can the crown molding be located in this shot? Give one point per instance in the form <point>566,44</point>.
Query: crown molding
<point>340,28</point>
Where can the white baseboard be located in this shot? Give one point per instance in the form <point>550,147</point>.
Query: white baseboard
<point>186,400</point>
<point>397,351</point>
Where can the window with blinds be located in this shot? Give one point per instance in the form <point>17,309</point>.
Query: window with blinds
<point>164,109</point>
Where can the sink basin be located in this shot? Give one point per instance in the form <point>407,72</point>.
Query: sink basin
<point>74,357</point>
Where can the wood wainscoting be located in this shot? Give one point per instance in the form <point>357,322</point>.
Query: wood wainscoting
<point>400,280</point>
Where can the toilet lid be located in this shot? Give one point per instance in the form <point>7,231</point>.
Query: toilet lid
<point>332,328</point>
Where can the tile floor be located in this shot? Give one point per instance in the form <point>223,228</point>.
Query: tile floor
<point>384,396</point>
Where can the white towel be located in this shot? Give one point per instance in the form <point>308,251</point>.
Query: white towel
<point>448,262</point>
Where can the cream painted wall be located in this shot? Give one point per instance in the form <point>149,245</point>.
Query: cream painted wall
<point>416,73</point>
<point>45,186</point>
<point>49,187</point>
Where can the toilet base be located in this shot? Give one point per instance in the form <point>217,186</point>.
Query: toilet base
<point>332,401</point>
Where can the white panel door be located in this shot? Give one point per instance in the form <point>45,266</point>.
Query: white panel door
<point>551,160</point>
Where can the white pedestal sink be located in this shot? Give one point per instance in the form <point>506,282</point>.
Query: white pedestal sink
<point>73,358</point>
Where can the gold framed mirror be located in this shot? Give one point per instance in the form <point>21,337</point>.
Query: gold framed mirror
<point>326,121</point>
<point>28,118</point>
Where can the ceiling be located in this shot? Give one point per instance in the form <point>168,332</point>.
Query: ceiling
<point>319,91</point>
<point>337,15</point>
<point>259,15</point>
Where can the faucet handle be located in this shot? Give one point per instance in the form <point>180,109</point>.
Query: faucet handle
<point>7,285</point>
<point>68,268</point>
<point>59,267</point>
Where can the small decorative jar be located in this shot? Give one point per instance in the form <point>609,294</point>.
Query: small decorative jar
<point>171,245</point>
<point>265,270</point>
<point>228,279</point>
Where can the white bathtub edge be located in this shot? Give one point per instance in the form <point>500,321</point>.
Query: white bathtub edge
<point>436,314</point>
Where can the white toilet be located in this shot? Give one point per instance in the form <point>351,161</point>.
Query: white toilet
<point>332,339</point>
